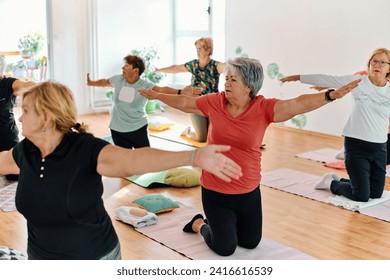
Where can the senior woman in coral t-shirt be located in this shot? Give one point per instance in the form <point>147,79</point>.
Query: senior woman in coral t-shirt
<point>239,118</point>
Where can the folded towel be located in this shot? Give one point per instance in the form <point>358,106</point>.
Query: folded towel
<point>135,216</point>
<point>11,254</point>
<point>356,205</point>
<point>340,164</point>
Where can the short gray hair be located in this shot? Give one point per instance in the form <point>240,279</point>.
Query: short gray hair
<point>251,72</point>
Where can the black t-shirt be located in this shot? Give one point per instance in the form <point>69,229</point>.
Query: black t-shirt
<point>61,198</point>
<point>8,129</point>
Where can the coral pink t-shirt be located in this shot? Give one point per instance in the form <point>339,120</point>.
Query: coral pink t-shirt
<point>244,133</point>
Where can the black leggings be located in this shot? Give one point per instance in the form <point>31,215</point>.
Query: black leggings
<point>133,139</point>
<point>233,220</point>
<point>366,166</point>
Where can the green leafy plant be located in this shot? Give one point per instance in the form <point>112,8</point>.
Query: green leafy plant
<point>12,67</point>
<point>149,55</point>
<point>31,44</point>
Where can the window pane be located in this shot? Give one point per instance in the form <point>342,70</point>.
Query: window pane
<point>192,15</point>
<point>24,18</point>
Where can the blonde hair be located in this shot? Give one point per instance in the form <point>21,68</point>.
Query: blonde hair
<point>376,52</point>
<point>207,43</point>
<point>57,102</point>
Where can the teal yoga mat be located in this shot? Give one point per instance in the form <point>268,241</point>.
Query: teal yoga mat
<point>154,179</point>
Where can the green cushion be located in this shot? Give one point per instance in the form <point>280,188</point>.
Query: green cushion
<point>182,177</point>
<point>156,203</point>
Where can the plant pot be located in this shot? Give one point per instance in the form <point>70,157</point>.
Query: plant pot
<point>151,106</point>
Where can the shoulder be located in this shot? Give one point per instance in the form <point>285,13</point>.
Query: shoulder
<point>116,79</point>
<point>262,101</point>
<point>20,150</point>
<point>142,83</point>
<point>214,97</point>
<point>193,62</point>
<point>7,81</point>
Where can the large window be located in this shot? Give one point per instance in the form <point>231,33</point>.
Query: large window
<point>168,26</point>
<point>192,20</point>
<point>23,43</point>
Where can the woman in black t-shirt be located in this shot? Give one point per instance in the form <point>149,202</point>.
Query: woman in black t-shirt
<point>61,168</point>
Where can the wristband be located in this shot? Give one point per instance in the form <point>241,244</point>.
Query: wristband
<point>193,157</point>
<point>327,95</point>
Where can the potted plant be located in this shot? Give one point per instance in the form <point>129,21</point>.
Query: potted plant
<point>30,45</point>
<point>149,55</point>
<point>18,69</point>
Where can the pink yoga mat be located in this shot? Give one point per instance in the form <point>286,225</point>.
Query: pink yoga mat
<point>301,183</point>
<point>168,231</point>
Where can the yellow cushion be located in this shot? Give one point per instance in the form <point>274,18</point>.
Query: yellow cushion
<point>160,123</point>
<point>182,177</point>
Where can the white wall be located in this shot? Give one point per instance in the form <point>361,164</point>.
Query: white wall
<point>309,36</point>
<point>120,26</point>
<point>70,47</point>
<point>305,36</point>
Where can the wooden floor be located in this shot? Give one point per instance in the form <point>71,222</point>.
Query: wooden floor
<point>320,230</point>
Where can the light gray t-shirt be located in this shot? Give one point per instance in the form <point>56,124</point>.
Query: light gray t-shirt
<point>129,111</point>
<point>369,119</point>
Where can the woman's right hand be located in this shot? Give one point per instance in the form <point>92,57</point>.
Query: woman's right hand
<point>88,80</point>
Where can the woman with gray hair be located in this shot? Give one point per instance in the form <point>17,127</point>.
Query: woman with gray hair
<point>239,117</point>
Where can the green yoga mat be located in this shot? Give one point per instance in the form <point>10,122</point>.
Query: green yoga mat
<point>149,179</point>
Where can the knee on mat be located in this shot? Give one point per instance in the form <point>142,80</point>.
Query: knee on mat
<point>376,195</point>
<point>362,198</point>
<point>250,244</point>
<point>225,251</point>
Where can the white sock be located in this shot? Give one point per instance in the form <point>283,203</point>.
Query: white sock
<point>325,182</point>
<point>335,177</point>
<point>341,154</point>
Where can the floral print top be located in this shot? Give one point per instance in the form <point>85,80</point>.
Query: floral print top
<point>207,77</point>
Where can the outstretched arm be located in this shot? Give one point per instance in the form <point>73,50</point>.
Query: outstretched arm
<point>19,87</point>
<point>286,109</point>
<point>172,69</point>
<point>292,78</point>
<point>7,163</point>
<point>188,90</point>
<point>221,67</point>
<point>98,83</point>
<point>181,102</point>
<point>114,161</point>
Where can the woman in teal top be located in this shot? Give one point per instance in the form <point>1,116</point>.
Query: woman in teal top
<point>205,74</point>
<point>129,122</point>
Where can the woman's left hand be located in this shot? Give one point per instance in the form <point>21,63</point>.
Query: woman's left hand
<point>148,93</point>
<point>211,159</point>
<point>192,91</point>
<point>342,91</point>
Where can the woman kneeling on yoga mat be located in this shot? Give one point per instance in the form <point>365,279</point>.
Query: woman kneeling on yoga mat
<point>239,118</point>
<point>366,131</point>
<point>60,169</point>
